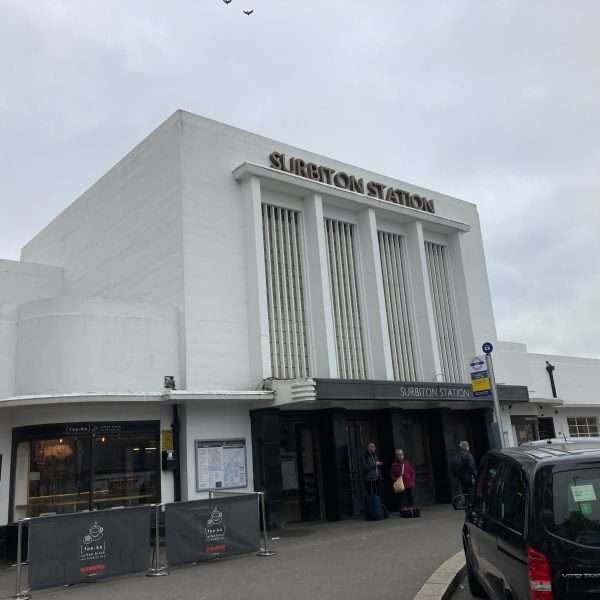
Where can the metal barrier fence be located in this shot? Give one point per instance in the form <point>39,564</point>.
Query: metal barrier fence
<point>67,549</point>
<point>260,496</point>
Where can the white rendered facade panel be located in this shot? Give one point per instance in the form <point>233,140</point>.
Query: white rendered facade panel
<point>283,251</point>
<point>347,309</point>
<point>446,326</point>
<point>397,291</point>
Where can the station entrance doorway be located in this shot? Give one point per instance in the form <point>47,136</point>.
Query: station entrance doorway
<point>301,473</point>
<point>360,432</point>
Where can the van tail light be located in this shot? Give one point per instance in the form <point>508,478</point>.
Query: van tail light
<point>540,577</point>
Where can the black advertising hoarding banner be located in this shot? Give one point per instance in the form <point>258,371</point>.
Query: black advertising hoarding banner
<point>68,549</point>
<point>204,529</point>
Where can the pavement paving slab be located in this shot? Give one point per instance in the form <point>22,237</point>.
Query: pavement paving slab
<point>347,560</point>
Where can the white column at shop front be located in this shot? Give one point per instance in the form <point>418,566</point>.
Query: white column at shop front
<point>375,309</point>
<point>322,331</point>
<point>256,283</point>
<point>426,337</point>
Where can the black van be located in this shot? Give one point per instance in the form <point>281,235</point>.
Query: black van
<point>532,526</point>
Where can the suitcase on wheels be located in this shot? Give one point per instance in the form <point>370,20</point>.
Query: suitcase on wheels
<point>374,510</point>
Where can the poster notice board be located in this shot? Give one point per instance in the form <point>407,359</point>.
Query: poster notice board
<point>221,464</point>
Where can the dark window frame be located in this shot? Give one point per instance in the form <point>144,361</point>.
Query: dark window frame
<point>75,429</point>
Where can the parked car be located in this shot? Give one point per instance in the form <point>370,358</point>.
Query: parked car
<point>532,525</point>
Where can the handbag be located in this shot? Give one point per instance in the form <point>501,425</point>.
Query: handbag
<point>399,483</point>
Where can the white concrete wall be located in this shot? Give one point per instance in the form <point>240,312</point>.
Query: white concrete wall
<point>211,421</point>
<point>24,281</point>
<point>577,385</point>
<point>19,283</point>
<point>121,239</point>
<point>73,345</point>
<point>166,225</point>
<point>577,379</point>
<point>216,301</point>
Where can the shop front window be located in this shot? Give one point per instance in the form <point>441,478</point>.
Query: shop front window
<point>52,476</point>
<point>98,467</point>
<point>583,426</point>
<point>125,470</point>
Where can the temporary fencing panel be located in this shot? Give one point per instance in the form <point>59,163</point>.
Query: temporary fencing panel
<point>203,529</point>
<point>68,549</point>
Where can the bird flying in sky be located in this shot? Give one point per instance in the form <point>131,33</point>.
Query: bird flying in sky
<point>248,12</point>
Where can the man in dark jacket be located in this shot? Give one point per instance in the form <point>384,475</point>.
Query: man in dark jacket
<point>464,468</point>
<point>371,470</point>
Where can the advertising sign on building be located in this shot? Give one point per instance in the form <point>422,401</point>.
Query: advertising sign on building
<point>204,529</point>
<point>480,378</point>
<point>67,549</point>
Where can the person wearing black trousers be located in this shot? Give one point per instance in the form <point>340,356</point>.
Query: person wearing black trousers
<point>372,470</point>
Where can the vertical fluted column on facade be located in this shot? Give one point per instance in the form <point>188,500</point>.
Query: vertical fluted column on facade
<point>423,304</point>
<point>256,284</point>
<point>375,309</point>
<point>463,308</point>
<point>322,329</point>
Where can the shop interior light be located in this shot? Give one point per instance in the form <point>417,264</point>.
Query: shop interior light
<point>103,439</point>
<point>151,448</point>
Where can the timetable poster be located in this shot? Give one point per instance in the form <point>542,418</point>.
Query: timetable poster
<point>221,464</point>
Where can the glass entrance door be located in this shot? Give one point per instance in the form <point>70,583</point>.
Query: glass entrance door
<point>417,450</point>
<point>360,433</point>
<point>308,468</point>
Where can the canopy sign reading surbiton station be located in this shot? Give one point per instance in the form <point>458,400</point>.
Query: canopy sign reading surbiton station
<point>351,183</point>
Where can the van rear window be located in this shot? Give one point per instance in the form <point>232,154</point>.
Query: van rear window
<point>573,510</point>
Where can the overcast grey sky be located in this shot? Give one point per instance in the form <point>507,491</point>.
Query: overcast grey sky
<point>494,102</point>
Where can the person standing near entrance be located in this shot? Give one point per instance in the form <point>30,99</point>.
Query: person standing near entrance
<point>464,468</point>
<point>401,469</point>
<point>371,470</point>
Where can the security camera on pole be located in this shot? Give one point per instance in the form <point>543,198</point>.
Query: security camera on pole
<point>483,383</point>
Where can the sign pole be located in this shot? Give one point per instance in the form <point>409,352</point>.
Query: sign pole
<point>264,551</point>
<point>156,570</point>
<point>497,415</point>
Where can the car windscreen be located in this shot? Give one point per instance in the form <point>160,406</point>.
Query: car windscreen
<point>572,504</point>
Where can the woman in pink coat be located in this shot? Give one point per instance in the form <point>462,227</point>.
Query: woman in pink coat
<point>402,468</point>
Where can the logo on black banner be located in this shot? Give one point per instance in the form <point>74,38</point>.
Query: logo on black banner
<point>92,550</point>
<point>214,532</point>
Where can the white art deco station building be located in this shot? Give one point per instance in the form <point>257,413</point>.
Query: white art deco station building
<point>299,307</point>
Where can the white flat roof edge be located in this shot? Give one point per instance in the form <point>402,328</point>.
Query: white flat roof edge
<point>247,169</point>
<point>153,397</point>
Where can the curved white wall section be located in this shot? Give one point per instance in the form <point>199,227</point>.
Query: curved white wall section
<point>69,345</point>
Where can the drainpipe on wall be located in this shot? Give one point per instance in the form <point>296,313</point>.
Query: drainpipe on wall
<point>175,426</point>
<point>550,368</point>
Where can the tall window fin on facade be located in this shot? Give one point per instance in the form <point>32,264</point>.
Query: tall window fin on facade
<point>444,312</point>
<point>396,291</point>
<point>282,235</point>
<point>350,345</point>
